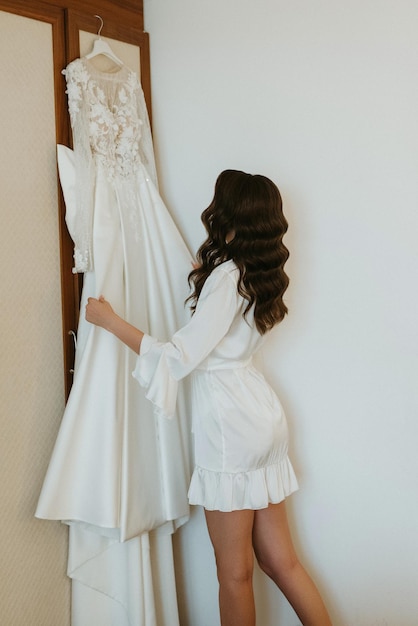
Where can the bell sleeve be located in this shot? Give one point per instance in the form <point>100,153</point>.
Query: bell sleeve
<point>160,366</point>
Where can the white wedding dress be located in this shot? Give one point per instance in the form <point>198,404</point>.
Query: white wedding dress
<point>118,471</point>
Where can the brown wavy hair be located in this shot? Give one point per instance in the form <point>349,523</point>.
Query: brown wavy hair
<point>250,207</point>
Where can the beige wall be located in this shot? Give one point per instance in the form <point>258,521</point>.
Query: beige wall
<point>34,588</point>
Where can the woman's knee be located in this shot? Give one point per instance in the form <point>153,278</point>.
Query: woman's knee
<point>237,570</point>
<point>277,566</point>
<point>265,566</point>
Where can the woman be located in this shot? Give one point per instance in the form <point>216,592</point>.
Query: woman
<point>242,474</point>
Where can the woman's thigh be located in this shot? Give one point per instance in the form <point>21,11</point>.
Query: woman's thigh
<point>231,537</point>
<point>272,541</point>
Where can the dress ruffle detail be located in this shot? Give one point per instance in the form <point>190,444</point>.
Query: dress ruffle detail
<point>256,489</point>
<point>153,373</point>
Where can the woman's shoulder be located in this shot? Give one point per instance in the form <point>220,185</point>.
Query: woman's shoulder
<point>224,276</point>
<point>227,267</point>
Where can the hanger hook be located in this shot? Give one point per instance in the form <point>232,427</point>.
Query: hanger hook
<point>101,24</point>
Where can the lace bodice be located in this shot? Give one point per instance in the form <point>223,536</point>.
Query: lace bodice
<point>109,102</point>
<point>111,129</point>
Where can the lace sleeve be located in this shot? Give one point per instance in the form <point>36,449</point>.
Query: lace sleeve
<point>146,145</point>
<point>77,80</point>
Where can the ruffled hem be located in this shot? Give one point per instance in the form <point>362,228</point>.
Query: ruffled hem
<point>256,489</point>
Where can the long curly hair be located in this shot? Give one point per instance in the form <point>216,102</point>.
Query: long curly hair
<point>247,211</point>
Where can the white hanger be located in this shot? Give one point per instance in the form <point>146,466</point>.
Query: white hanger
<point>102,47</point>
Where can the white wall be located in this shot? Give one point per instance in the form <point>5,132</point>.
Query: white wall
<point>321,96</point>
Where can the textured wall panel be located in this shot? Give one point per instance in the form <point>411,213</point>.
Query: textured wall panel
<point>33,586</point>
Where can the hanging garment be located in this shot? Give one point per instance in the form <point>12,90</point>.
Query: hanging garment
<point>117,470</point>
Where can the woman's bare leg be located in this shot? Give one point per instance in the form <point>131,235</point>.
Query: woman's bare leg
<point>231,537</point>
<point>276,556</point>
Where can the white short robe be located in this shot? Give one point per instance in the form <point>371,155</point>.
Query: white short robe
<point>240,429</point>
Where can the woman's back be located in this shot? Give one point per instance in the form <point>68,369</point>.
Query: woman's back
<point>242,338</point>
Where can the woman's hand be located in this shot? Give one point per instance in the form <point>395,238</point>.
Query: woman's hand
<point>99,312</point>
